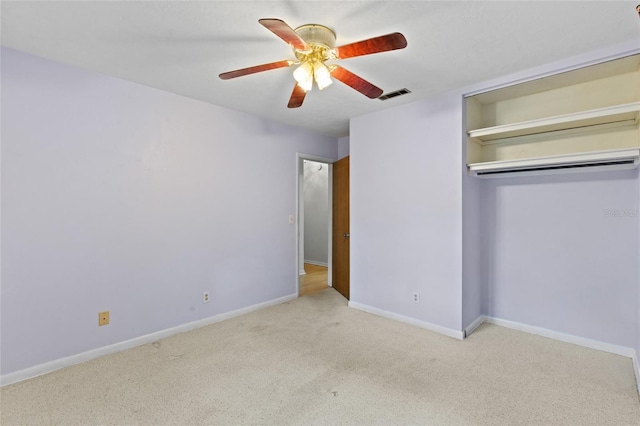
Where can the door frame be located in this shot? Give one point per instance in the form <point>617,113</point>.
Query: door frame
<point>300,157</point>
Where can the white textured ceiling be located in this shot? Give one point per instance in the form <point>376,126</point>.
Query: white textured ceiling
<point>181,47</point>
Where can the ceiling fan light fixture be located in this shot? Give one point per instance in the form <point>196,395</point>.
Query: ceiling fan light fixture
<point>304,76</point>
<point>312,46</point>
<point>322,75</point>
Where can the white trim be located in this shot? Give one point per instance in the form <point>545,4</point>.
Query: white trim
<point>621,115</point>
<point>544,136</point>
<point>315,158</point>
<point>57,364</point>
<point>622,50</point>
<point>597,160</point>
<point>302,272</point>
<point>568,338</point>
<point>472,327</point>
<point>636,367</point>
<point>313,262</point>
<point>412,321</point>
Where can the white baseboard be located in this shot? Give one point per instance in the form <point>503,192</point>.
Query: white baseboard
<point>636,367</point>
<point>568,338</point>
<point>57,364</point>
<point>418,323</point>
<point>313,262</point>
<point>472,327</point>
<point>302,272</point>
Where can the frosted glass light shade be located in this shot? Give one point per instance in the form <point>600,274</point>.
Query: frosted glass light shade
<point>322,75</point>
<point>304,76</point>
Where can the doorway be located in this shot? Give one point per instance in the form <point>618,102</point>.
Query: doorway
<point>337,228</point>
<point>314,187</point>
<point>315,222</point>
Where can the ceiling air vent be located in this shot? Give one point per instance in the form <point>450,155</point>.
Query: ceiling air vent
<point>394,94</point>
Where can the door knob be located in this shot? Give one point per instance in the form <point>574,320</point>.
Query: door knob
<point>346,235</point>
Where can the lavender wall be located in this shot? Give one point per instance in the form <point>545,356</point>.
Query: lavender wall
<point>473,279</point>
<point>562,253</point>
<point>124,198</point>
<point>406,210</point>
<point>343,147</point>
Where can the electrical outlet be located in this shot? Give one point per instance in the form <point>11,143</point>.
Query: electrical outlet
<point>103,318</point>
<point>205,297</point>
<point>415,298</point>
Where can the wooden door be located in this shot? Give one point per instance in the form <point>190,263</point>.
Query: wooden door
<point>340,246</point>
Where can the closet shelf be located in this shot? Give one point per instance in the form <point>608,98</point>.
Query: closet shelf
<point>625,114</point>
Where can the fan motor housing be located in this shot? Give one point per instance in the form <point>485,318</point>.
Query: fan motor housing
<point>318,35</point>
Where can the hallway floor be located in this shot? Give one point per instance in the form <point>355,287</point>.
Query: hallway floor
<point>315,279</point>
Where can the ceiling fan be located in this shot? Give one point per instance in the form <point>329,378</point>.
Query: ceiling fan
<point>313,45</point>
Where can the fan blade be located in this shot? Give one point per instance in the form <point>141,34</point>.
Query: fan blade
<point>253,70</point>
<point>285,32</point>
<point>373,45</point>
<point>358,83</point>
<point>297,97</point>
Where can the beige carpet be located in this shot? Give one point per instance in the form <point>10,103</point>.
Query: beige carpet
<point>316,361</point>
